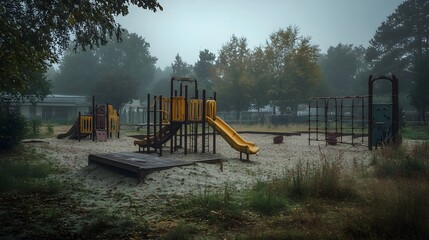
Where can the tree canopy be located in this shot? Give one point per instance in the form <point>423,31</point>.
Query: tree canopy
<point>400,41</point>
<point>126,65</point>
<point>181,68</point>
<point>231,81</point>
<point>204,69</point>
<point>293,67</point>
<point>343,67</point>
<point>401,45</point>
<point>33,34</point>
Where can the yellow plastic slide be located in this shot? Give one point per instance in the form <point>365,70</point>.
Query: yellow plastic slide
<point>232,137</point>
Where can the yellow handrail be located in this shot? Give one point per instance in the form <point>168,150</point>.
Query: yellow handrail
<point>178,109</point>
<point>211,109</point>
<point>195,109</point>
<point>165,109</point>
<point>85,124</point>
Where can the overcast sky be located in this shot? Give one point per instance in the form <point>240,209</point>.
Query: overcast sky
<point>186,27</point>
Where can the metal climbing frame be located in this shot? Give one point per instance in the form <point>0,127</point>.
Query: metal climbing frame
<point>338,119</point>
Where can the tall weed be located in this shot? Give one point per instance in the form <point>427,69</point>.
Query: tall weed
<point>325,179</point>
<point>396,209</point>
<point>399,162</point>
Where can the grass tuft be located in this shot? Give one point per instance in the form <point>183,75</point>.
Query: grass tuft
<point>267,198</point>
<point>396,209</point>
<point>325,179</point>
<point>216,207</point>
<point>181,232</point>
<point>25,173</point>
<point>397,162</point>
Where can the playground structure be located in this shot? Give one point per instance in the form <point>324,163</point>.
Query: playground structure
<point>344,119</point>
<point>181,119</point>
<point>101,124</point>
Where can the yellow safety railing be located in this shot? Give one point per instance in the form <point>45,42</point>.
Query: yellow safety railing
<point>211,109</point>
<point>85,124</point>
<point>165,108</point>
<point>178,109</point>
<point>195,109</point>
<point>113,120</point>
<point>113,124</point>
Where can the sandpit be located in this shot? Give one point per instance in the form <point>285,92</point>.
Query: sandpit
<point>272,161</point>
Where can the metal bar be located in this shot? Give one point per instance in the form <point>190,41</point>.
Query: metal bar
<point>203,123</point>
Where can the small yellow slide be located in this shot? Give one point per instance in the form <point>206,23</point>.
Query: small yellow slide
<point>232,137</point>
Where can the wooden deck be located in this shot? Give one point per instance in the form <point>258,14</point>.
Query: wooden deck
<point>141,164</point>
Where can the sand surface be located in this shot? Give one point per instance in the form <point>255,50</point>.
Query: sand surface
<point>272,161</point>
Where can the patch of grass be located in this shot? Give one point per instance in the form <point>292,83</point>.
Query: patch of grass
<point>27,172</point>
<point>396,209</point>
<point>99,224</point>
<point>416,132</point>
<point>216,207</point>
<point>33,205</point>
<point>267,198</point>
<point>181,232</point>
<point>398,162</point>
<point>320,180</point>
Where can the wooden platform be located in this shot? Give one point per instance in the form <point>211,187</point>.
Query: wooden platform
<point>137,163</point>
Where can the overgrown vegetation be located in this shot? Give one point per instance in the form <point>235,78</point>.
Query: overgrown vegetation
<point>12,129</point>
<point>33,128</point>
<point>35,204</point>
<point>398,162</point>
<point>322,201</point>
<point>387,199</point>
<point>397,204</point>
<point>416,132</point>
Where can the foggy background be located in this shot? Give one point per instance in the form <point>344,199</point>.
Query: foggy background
<point>187,26</point>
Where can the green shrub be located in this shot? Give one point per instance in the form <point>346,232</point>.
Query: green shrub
<point>34,127</point>
<point>13,128</point>
<point>50,129</point>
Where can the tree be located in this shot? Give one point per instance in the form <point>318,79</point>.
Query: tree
<point>181,68</point>
<point>400,41</point>
<point>342,68</point>
<point>400,45</point>
<point>116,88</point>
<point>77,73</point>
<point>231,83</point>
<point>259,76</point>
<point>33,33</point>
<point>293,68</point>
<point>128,62</point>
<point>161,83</point>
<point>129,57</point>
<point>419,92</point>
<point>204,69</point>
